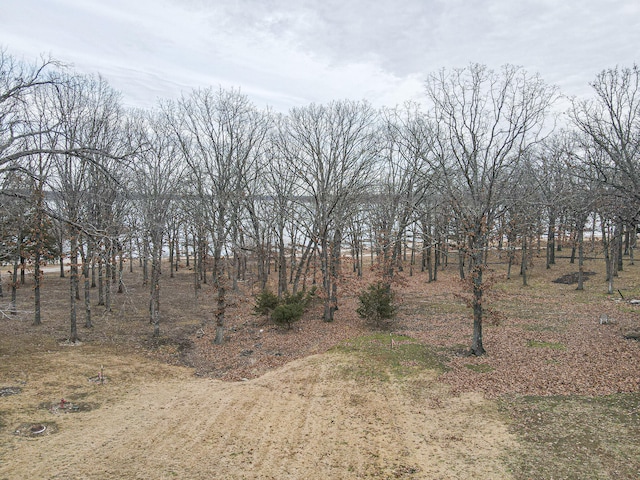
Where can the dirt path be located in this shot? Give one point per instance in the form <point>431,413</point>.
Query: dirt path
<point>307,420</point>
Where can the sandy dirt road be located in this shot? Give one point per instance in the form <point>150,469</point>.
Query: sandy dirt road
<point>307,420</point>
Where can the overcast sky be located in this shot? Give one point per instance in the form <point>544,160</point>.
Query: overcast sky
<point>285,53</point>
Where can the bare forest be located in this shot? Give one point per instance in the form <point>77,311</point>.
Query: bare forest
<point>160,236</point>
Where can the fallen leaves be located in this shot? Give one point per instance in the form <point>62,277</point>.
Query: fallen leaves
<point>546,338</point>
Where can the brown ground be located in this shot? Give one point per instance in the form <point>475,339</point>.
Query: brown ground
<point>290,411</point>
<point>303,421</point>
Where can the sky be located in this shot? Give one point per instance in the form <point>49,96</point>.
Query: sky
<point>287,53</point>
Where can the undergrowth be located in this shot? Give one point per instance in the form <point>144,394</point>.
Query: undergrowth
<point>385,357</point>
<point>575,437</point>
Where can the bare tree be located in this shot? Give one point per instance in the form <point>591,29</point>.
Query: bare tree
<point>611,121</point>
<point>582,201</point>
<point>280,186</point>
<point>158,174</point>
<point>87,112</point>
<point>18,84</point>
<point>610,124</point>
<point>404,181</point>
<point>221,135</point>
<point>552,177</point>
<point>15,222</point>
<point>485,121</point>
<point>523,209</point>
<point>333,150</point>
<point>20,130</point>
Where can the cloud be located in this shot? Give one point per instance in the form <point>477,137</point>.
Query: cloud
<point>285,53</point>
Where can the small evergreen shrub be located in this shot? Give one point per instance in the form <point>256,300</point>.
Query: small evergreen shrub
<point>376,304</point>
<point>303,297</point>
<point>286,310</point>
<point>266,302</point>
<point>287,314</point>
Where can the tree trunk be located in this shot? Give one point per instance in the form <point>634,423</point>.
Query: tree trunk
<point>121,270</point>
<point>236,269</point>
<point>523,265</point>
<point>608,250</point>
<point>87,285</point>
<point>154,295</point>
<point>219,281</point>
<point>551,241</point>
<point>14,286</point>
<point>177,241</point>
<point>202,260</point>
<point>113,249</point>
<point>619,236</point>
<point>461,256</point>
<point>305,258</point>
<point>171,243</point>
<point>93,269</point>
<point>130,254</point>
<point>461,263</point>
<point>282,262</point>
<point>477,348</point>
<point>581,258</point>
<point>196,269</point>
<point>73,288</point>
<point>101,268</point>
<point>358,264</point>
<point>222,306</point>
<point>39,248</point>
<point>145,263</point>
<point>335,271</point>
<point>37,278</point>
<point>61,259</point>
<point>428,261</point>
<point>22,270</point>
<point>326,279</point>
<point>412,259</point>
<point>627,241</point>
<point>293,256</point>
<point>436,253</point>
<point>632,246</point>
<point>186,248</point>
<point>615,244</point>
<point>107,281</point>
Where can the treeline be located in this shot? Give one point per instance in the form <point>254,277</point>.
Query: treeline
<point>240,191</point>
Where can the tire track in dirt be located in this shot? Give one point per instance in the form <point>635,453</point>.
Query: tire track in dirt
<point>304,421</point>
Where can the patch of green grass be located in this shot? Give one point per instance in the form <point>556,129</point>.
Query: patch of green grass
<point>628,308</point>
<point>575,437</point>
<point>479,368</point>
<point>551,345</point>
<point>435,308</point>
<point>383,356</point>
<point>543,328</point>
